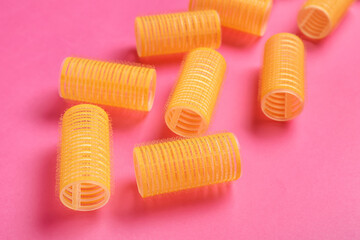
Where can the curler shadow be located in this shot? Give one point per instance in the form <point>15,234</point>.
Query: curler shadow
<point>53,109</point>
<point>163,60</point>
<point>121,118</point>
<point>133,205</point>
<point>124,55</point>
<point>236,38</point>
<point>261,125</point>
<point>51,210</point>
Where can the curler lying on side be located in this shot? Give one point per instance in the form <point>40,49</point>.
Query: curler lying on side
<point>177,33</point>
<point>85,158</point>
<point>318,18</point>
<point>189,163</point>
<point>193,100</point>
<point>248,16</point>
<point>282,90</point>
<point>113,84</point>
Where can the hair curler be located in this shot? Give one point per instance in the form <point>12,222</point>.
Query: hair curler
<point>85,158</point>
<point>318,18</point>
<point>193,100</point>
<point>177,32</point>
<point>282,90</point>
<point>188,163</point>
<point>113,84</point>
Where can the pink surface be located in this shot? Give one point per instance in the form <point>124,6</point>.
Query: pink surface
<point>301,180</point>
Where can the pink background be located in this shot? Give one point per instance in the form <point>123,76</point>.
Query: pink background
<point>301,180</point>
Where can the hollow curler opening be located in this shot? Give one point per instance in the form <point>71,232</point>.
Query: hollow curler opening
<point>138,36</point>
<point>185,122</point>
<point>266,18</point>
<point>314,22</point>
<point>151,95</point>
<point>84,196</point>
<point>139,181</point>
<point>281,105</point>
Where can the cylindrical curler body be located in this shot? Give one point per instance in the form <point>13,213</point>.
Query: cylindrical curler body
<point>85,158</point>
<point>193,100</point>
<point>318,18</point>
<point>183,164</point>
<point>105,83</point>
<point>248,16</point>
<point>177,32</point>
<point>282,90</point>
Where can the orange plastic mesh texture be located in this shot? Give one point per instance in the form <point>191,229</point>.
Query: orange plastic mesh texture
<point>248,16</point>
<point>113,84</point>
<point>318,18</point>
<point>85,158</point>
<point>192,103</point>
<point>188,163</point>
<point>177,33</point>
<point>282,89</point>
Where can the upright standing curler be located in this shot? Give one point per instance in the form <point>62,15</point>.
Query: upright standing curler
<point>193,100</point>
<point>318,18</point>
<point>177,32</point>
<point>176,165</point>
<point>282,89</point>
<point>113,84</point>
<point>248,16</point>
<point>85,158</point>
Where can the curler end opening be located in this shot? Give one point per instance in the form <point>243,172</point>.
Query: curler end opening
<point>139,36</point>
<point>314,22</point>
<point>84,196</point>
<point>266,17</point>
<point>138,175</point>
<point>282,105</point>
<point>151,95</point>
<point>185,122</point>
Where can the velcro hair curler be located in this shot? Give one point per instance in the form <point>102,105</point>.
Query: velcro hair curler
<point>193,100</point>
<point>282,90</point>
<point>105,83</point>
<point>85,158</point>
<point>177,32</point>
<point>248,16</point>
<point>188,163</point>
<point>318,18</point>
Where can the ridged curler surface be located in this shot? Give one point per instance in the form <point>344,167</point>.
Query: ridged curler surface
<point>193,100</point>
<point>177,33</point>
<point>282,89</point>
<point>318,18</point>
<point>113,84</point>
<point>189,163</point>
<point>85,158</point>
<point>248,16</point>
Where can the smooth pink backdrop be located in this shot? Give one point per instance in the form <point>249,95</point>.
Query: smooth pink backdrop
<point>301,180</point>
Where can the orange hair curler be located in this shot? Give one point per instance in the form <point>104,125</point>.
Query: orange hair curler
<point>189,163</point>
<point>193,100</point>
<point>318,18</point>
<point>85,158</point>
<point>106,83</point>
<point>248,16</point>
<point>177,32</point>
<point>282,89</point>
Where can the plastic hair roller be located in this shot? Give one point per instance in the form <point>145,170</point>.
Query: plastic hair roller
<point>189,163</point>
<point>85,158</point>
<point>113,84</point>
<point>248,16</point>
<point>282,89</point>
<point>177,32</point>
<point>193,100</point>
<point>318,18</point>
